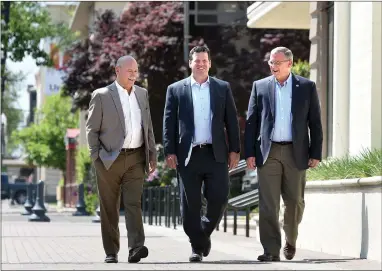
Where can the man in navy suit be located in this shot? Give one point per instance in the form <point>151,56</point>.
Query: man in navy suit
<point>283,137</point>
<point>199,118</point>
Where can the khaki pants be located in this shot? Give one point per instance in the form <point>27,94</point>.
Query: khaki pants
<point>126,173</point>
<point>280,176</point>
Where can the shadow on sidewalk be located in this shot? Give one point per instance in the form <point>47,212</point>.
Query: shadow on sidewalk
<point>314,261</point>
<point>210,262</point>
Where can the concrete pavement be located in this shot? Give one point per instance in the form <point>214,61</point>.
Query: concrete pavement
<point>74,243</point>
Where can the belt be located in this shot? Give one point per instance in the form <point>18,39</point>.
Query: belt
<point>130,150</point>
<point>202,146</point>
<point>283,142</point>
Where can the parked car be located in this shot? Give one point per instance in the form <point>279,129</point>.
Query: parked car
<point>16,191</point>
<point>4,186</point>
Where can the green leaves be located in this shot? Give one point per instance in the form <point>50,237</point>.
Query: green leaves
<point>9,107</point>
<point>43,141</point>
<point>83,164</point>
<point>29,23</point>
<point>301,68</point>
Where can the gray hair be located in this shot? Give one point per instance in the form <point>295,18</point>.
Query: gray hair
<point>124,59</point>
<point>287,52</point>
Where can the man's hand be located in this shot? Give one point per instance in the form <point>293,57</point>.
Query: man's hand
<point>313,163</point>
<point>171,161</point>
<point>251,162</point>
<point>233,160</point>
<point>152,166</point>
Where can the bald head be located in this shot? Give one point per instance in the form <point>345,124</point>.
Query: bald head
<point>124,60</point>
<point>126,69</point>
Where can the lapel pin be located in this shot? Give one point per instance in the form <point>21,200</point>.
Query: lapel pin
<point>297,85</point>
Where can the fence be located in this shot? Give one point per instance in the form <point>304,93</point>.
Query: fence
<point>162,204</point>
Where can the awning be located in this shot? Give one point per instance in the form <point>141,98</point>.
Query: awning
<point>279,15</point>
<point>80,20</point>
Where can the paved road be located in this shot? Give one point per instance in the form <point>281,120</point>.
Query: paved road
<point>74,243</point>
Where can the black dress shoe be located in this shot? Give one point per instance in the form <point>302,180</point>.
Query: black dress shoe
<point>289,251</point>
<point>196,257</point>
<point>136,254</point>
<point>207,248</point>
<point>111,258</point>
<point>266,257</point>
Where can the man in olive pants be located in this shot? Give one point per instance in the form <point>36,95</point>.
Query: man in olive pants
<point>283,137</point>
<point>122,146</point>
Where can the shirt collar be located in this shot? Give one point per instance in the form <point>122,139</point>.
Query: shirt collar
<point>193,80</point>
<point>121,89</point>
<point>287,82</point>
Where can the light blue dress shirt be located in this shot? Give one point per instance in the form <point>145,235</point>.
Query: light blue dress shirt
<point>202,114</point>
<point>283,103</point>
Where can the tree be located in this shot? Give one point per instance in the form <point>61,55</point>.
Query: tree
<point>13,114</point>
<point>43,142</point>
<point>150,31</point>
<point>24,25</point>
<point>155,31</point>
<point>92,63</point>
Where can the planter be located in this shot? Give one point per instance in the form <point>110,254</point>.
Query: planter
<point>341,217</point>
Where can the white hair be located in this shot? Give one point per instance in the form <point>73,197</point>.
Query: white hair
<point>287,52</point>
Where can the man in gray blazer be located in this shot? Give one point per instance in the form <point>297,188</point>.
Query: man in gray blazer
<point>283,137</point>
<point>122,146</point>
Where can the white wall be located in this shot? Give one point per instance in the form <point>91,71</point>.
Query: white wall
<point>376,98</point>
<point>343,220</point>
<point>356,77</point>
<point>341,73</point>
<point>362,89</point>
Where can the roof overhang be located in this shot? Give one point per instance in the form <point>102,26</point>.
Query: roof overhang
<point>80,19</point>
<point>279,15</point>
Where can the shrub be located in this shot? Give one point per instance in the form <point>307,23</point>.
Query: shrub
<point>367,163</point>
<point>301,68</point>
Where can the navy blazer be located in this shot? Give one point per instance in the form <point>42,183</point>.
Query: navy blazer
<point>178,120</point>
<point>306,121</point>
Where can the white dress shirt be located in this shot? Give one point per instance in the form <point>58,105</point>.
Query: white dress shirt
<point>133,118</point>
<point>283,104</point>
<point>202,114</point>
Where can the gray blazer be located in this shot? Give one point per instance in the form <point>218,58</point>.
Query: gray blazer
<point>105,126</point>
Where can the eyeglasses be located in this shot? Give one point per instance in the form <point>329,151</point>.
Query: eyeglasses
<point>276,63</point>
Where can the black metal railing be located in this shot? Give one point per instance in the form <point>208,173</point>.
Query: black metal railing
<point>164,203</point>
<point>161,204</point>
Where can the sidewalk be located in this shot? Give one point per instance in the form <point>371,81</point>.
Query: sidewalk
<point>74,243</point>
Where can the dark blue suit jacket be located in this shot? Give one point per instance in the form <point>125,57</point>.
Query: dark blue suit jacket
<point>306,121</point>
<point>178,120</point>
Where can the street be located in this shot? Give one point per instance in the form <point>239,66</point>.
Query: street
<point>74,243</point>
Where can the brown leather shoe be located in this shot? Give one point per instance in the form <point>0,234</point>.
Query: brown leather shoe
<point>266,257</point>
<point>289,251</point>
